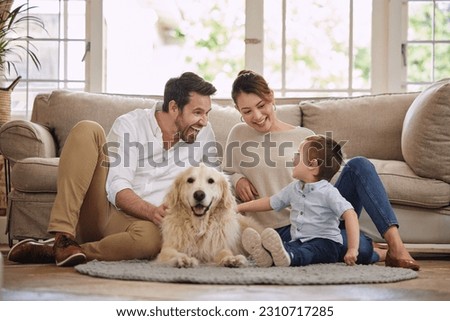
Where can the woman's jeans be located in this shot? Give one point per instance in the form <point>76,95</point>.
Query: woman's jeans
<point>360,185</point>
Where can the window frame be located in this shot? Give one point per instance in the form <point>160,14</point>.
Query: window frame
<point>62,41</point>
<point>385,77</point>
<point>389,32</point>
<point>389,36</point>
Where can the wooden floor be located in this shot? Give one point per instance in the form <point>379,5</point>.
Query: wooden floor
<point>47,282</point>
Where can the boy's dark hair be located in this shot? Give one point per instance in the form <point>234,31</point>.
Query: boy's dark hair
<point>178,89</point>
<point>327,152</point>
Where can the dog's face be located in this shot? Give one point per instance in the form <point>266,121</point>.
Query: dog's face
<point>201,189</point>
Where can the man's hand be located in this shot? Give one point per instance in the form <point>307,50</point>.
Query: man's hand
<point>245,190</point>
<point>133,205</point>
<point>157,214</point>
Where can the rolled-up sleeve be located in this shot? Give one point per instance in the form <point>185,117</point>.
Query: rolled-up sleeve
<point>123,157</point>
<point>138,160</point>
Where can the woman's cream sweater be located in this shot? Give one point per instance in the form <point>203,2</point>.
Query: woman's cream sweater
<point>266,161</point>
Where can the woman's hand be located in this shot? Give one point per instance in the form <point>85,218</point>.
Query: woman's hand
<point>245,190</point>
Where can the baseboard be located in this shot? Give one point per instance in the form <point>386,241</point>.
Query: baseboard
<point>3,238</point>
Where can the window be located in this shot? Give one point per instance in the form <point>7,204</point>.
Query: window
<point>172,37</point>
<point>428,43</point>
<point>310,46</point>
<point>303,47</point>
<point>317,47</point>
<point>60,49</point>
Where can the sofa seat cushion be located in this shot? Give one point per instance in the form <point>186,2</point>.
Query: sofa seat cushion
<point>404,187</point>
<point>370,126</point>
<point>35,175</point>
<point>426,134</point>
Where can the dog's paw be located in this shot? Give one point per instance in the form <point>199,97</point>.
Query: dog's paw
<point>234,261</point>
<point>184,261</point>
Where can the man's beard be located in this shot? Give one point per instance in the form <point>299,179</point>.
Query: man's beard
<point>188,134</point>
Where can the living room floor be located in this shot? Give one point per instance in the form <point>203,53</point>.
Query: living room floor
<point>48,282</point>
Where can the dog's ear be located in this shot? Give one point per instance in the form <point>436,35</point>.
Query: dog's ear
<point>173,196</point>
<point>228,199</point>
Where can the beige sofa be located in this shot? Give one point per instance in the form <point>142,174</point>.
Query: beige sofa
<point>406,136</point>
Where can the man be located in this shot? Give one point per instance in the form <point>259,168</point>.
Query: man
<point>145,150</point>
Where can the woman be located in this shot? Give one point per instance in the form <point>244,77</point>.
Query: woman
<point>259,157</point>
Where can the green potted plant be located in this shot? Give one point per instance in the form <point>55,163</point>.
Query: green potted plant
<point>14,48</point>
<point>12,21</point>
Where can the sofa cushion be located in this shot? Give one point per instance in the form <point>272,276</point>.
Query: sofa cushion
<point>426,134</point>
<point>290,113</point>
<point>404,187</point>
<point>66,108</point>
<point>35,175</point>
<point>371,126</point>
<point>223,119</point>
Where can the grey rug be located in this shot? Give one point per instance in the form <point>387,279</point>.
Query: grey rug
<point>316,274</point>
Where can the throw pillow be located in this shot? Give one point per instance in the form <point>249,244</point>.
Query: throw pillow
<point>370,125</point>
<point>426,135</point>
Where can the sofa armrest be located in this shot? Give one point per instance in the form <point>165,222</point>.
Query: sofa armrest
<point>21,139</point>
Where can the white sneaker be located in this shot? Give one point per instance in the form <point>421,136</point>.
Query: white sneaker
<point>251,241</point>
<point>272,242</point>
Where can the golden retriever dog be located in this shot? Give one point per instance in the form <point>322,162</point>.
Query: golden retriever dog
<point>201,224</point>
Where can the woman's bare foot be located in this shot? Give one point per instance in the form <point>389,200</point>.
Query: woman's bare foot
<point>381,253</point>
<point>380,250</point>
<point>398,255</point>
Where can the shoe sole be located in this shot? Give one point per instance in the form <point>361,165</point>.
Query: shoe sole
<point>16,245</point>
<point>49,241</point>
<point>251,241</point>
<point>273,243</point>
<point>75,259</point>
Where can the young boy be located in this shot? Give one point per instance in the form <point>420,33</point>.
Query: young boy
<point>316,210</point>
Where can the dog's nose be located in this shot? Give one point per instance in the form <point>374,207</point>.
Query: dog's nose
<point>199,195</point>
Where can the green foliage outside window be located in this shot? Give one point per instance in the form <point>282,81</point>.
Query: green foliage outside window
<point>422,67</point>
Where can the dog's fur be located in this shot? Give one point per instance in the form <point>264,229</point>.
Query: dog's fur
<point>201,224</point>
